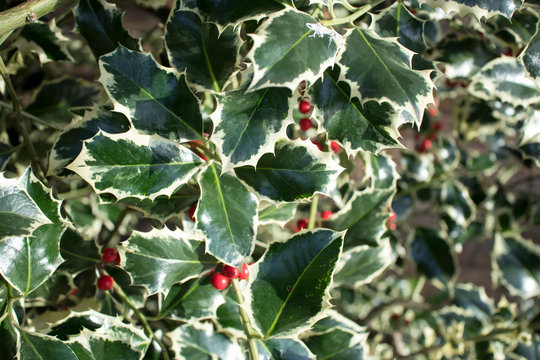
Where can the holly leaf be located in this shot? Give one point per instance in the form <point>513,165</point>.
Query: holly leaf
<point>161,258</point>
<point>386,75</point>
<point>504,79</point>
<point>337,344</point>
<point>433,255</point>
<point>20,213</point>
<point>290,287</point>
<point>88,346</point>
<point>248,125</point>
<point>362,264</point>
<point>283,349</point>
<point>531,56</point>
<point>226,214</point>
<point>478,8</point>
<point>365,216</point>
<point>295,171</point>
<point>369,127</point>
<point>103,21</point>
<point>9,339</point>
<point>286,51</point>
<point>134,165</point>
<point>70,141</point>
<point>207,55</point>
<point>474,298</point>
<point>278,214</point>
<point>153,98</point>
<point>516,265</point>
<point>199,341</point>
<point>456,203</point>
<point>192,300</point>
<point>381,170</point>
<point>38,346</point>
<point>51,44</point>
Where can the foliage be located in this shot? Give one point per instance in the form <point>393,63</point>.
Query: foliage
<point>178,148</point>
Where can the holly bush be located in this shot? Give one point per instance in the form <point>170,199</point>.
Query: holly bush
<point>270,179</point>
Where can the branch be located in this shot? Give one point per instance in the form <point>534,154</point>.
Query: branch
<point>246,323</point>
<point>27,12</point>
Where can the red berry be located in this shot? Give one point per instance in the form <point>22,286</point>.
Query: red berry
<point>432,137</point>
<point>437,126</point>
<point>334,146</point>
<point>109,255</point>
<point>219,281</point>
<point>305,124</point>
<point>302,223</point>
<point>391,225</point>
<point>117,259</point>
<point>302,87</point>
<point>304,107</point>
<point>244,274</point>
<point>395,317</point>
<point>508,52</point>
<point>327,214</point>
<point>433,111</point>
<point>318,144</point>
<point>392,217</point>
<point>105,282</point>
<point>230,271</point>
<point>191,212</point>
<point>420,149</point>
<point>427,144</point>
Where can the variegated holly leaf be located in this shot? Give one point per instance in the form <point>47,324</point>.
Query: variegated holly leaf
<point>457,204</point>
<point>50,44</point>
<point>192,300</point>
<point>161,258</point>
<point>231,12</point>
<point>397,21</point>
<point>200,341</point>
<point>364,215</point>
<point>278,214</point>
<point>516,265</point>
<point>208,56</point>
<point>290,287</point>
<point>246,126</point>
<point>362,264</point>
<point>135,165</point>
<point>9,339</point>
<point>296,170</point>
<point>433,255</point>
<point>478,8</point>
<point>386,74</point>
<point>531,56</point>
<point>474,298</point>
<point>38,346</point>
<point>283,349</point>
<point>89,346</point>
<point>227,215</point>
<point>28,261</point>
<point>372,126</point>
<point>286,50</point>
<point>100,23</point>
<point>70,142</point>
<point>381,170</point>
<point>338,343</point>
<point>153,98</point>
<point>504,79</point>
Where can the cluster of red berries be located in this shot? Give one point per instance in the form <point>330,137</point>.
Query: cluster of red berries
<point>390,223</point>
<point>303,222</point>
<point>108,255</point>
<point>424,144</point>
<point>220,280</point>
<point>396,317</point>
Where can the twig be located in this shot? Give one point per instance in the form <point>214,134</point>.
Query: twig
<point>313,211</point>
<point>246,323</point>
<point>351,18</point>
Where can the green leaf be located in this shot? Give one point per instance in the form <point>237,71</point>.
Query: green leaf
<point>531,56</point>
<point>192,300</point>
<point>161,258</point>
<point>70,142</point>
<point>226,12</point>
<point>79,254</point>
<point>397,21</point>
<point>200,341</point>
<point>386,73</point>
<point>283,349</point>
<point>432,255</point>
<point>337,344</point>
<point>474,298</point>
<point>248,125</point>
<point>290,289</point>
<point>286,51</point>
<point>479,8</point>
<point>370,127</point>
<point>456,203</point>
<point>296,170</point>
<point>362,264</point>
<point>20,213</point>
<point>365,216</point>
<point>36,346</point>
<point>48,38</point>
<point>101,24</point>
<point>381,169</point>
<point>226,214</point>
<point>207,55</point>
<point>9,339</point>
<point>135,165</point>
<point>88,346</point>
<point>55,100</point>
<point>504,79</point>
<point>154,99</point>
<point>279,214</point>
<point>516,265</point>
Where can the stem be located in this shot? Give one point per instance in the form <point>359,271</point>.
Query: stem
<point>29,11</point>
<point>141,316</point>
<point>117,224</point>
<point>30,116</point>
<point>313,211</point>
<point>351,18</point>
<point>246,323</point>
